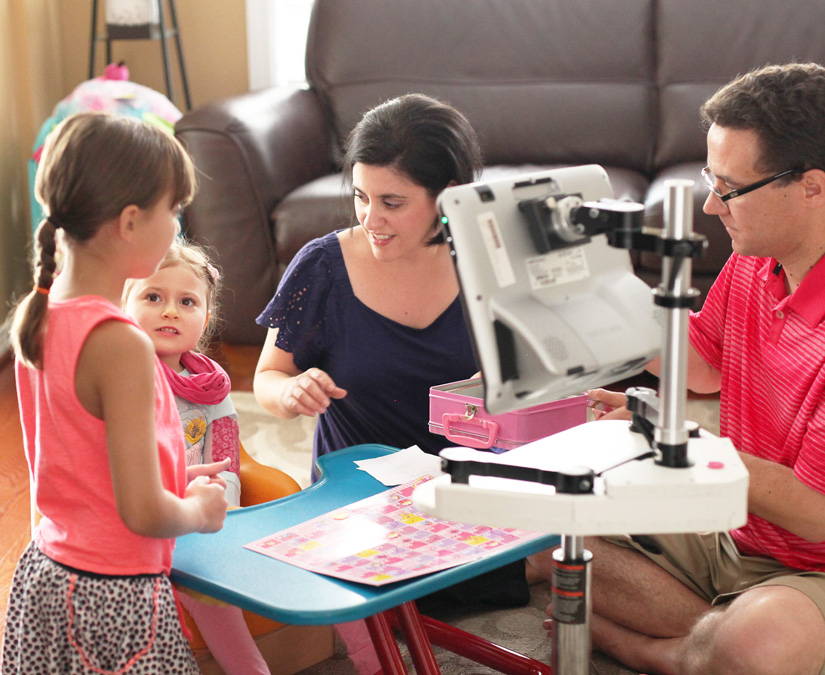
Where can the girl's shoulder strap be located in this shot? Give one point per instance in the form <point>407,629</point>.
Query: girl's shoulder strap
<point>70,322</point>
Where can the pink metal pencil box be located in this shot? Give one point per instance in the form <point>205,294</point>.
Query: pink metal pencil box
<point>457,412</point>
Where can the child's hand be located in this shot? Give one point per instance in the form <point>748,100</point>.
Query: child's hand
<point>210,470</point>
<point>310,392</point>
<point>607,405</point>
<point>210,501</point>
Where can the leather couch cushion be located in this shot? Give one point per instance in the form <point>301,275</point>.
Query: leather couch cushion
<point>324,205</point>
<point>535,92</point>
<point>704,268</point>
<point>698,53</point>
<point>718,240</point>
<point>311,211</point>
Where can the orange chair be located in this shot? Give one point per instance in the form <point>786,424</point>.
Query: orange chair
<point>286,648</point>
<point>261,483</point>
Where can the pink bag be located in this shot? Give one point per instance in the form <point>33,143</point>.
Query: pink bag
<point>457,412</point>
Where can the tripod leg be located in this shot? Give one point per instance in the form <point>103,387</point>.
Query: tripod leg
<point>93,41</point>
<point>164,50</point>
<point>179,47</point>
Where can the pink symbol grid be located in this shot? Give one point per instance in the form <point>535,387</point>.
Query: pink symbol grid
<point>383,539</point>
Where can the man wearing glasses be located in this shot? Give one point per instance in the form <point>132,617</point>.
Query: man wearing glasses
<point>751,601</point>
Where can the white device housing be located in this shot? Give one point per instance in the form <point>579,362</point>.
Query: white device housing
<point>578,315</point>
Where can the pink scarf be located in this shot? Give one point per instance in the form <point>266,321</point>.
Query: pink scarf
<point>207,384</point>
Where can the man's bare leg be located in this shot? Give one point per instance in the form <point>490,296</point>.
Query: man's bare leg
<point>766,631</point>
<point>641,613</point>
<point>634,592</point>
<point>661,626</point>
<point>635,650</point>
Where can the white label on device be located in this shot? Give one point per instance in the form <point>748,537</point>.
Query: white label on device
<point>491,236</point>
<point>557,267</point>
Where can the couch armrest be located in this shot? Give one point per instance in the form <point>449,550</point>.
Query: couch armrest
<point>261,483</point>
<point>250,151</point>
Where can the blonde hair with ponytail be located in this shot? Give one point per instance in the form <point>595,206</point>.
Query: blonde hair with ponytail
<point>93,166</point>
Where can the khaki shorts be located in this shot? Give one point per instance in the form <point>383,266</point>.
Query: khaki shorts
<point>711,566</point>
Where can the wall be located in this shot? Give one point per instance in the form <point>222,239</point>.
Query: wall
<point>44,52</point>
<point>213,33</point>
<point>32,73</point>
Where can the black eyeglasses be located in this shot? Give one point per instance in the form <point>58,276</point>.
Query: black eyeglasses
<point>710,182</point>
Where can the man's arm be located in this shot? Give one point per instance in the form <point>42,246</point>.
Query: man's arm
<point>776,495</point>
<point>702,378</point>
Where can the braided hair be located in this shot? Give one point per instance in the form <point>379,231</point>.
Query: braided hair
<point>93,166</point>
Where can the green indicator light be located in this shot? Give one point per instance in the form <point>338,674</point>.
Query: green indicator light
<point>444,220</point>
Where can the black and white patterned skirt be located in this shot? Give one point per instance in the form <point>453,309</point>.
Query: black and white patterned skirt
<point>63,621</point>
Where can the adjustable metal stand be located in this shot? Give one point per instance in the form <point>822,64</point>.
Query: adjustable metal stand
<point>571,606</point>
<point>145,32</point>
<point>608,477</point>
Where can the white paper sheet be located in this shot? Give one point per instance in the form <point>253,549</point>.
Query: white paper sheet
<point>401,467</point>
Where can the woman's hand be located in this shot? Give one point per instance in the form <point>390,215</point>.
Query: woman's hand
<point>608,405</point>
<point>286,391</point>
<point>309,393</point>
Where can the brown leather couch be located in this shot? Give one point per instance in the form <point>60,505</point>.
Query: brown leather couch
<point>545,83</point>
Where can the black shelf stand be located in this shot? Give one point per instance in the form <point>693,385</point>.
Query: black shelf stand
<point>158,31</point>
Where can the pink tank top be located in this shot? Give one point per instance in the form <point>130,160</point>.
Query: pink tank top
<point>68,461</point>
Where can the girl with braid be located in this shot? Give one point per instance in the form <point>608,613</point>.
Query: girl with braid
<point>102,434</point>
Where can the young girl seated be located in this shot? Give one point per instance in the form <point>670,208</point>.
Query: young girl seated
<point>176,307</point>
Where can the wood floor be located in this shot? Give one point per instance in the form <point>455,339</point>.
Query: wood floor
<point>14,486</point>
<point>239,362</point>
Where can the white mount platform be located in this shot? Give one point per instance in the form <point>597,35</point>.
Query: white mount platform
<point>636,497</point>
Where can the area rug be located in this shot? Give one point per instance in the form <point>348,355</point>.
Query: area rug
<point>287,445</point>
<point>284,444</point>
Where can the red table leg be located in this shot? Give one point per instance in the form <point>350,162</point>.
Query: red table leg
<point>418,642</point>
<point>385,646</point>
<point>421,632</point>
<point>482,651</point>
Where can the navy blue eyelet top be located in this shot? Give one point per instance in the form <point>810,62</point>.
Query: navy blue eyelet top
<point>386,367</point>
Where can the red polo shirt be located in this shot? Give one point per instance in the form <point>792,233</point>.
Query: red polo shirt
<point>770,349</point>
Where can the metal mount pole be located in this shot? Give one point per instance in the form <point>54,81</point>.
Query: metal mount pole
<point>570,650</point>
<point>571,602</point>
<point>671,434</point>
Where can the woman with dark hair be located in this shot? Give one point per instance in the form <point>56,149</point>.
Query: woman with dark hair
<point>366,319</point>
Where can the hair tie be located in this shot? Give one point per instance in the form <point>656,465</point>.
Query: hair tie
<point>41,290</point>
<point>213,272</point>
<point>54,222</point>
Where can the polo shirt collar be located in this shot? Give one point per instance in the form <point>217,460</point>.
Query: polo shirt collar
<point>808,300</point>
